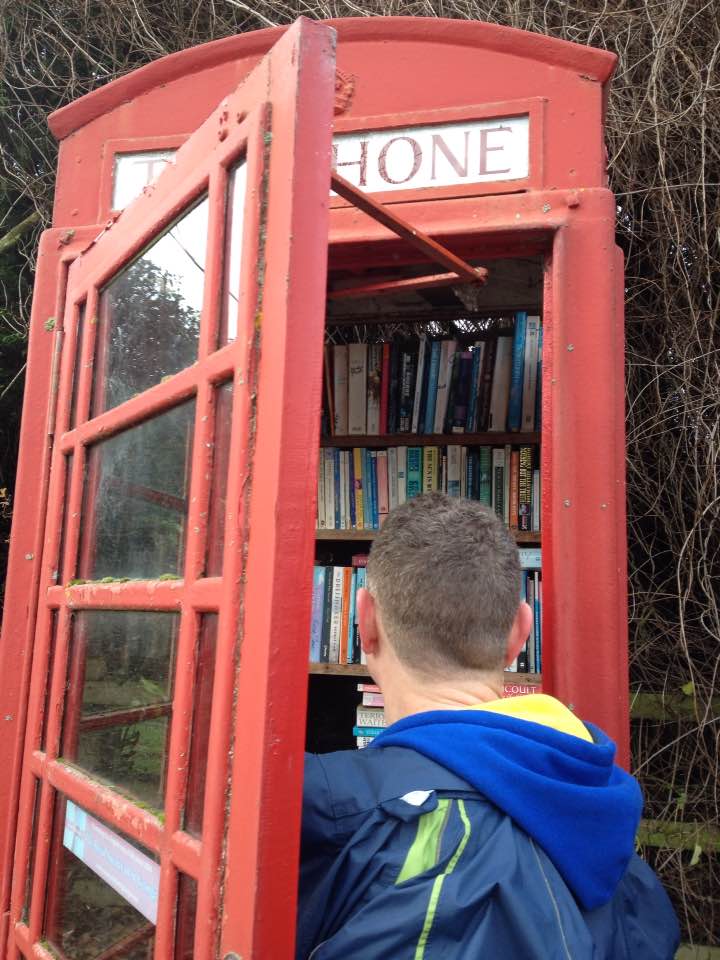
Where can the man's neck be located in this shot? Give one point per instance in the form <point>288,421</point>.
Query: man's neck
<point>405,696</point>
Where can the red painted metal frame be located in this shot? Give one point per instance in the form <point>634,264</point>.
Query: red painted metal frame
<point>282,127</point>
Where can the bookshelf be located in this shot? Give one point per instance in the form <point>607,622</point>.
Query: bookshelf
<point>423,318</point>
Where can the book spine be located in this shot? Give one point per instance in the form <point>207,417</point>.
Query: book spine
<point>498,481</point>
<point>373,700</point>
<point>367,731</point>
<point>358,655</point>
<point>345,615</point>
<point>514,488</point>
<point>368,688</point>
<point>461,393</point>
<point>327,617</point>
<point>407,387</point>
<point>367,490</point>
<point>358,483</point>
<point>336,615</point>
<point>340,388</point>
<point>329,471</point>
<point>394,398</point>
<point>374,490</point>
<point>383,486</point>
<point>357,389</point>
<point>506,492</point>
<point>362,742</point>
<point>525,489</point>
<point>373,388</point>
<point>352,513</point>
<point>530,373</point>
<point>384,387</point>
<point>414,471</point>
<point>485,476</point>
<point>422,350</point>
<point>471,424</point>
<point>538,388</point>
<point>486,377</point>
<point>538,622</point>
<point>514,416</point>
<point>470,475</point>
<point>500,394</point>
<point>401,475</point>
<point>343,490</point>
<point>454,458</point>
<point>447,355</point>
<point>328,377</point>
<point>321,521</point>
<point>430,469</point>
<point>435,351</point>
<point>337,488</point>
<point>392,460</point>
<point>530,558</point>
<point>350,642</point>
<point>370,717</point>
<point>536,500</point>
<point>316,623</point>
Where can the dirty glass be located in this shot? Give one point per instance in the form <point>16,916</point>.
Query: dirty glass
<point>135,500</point>
<point>89,918</point>
<point>218,489</point>
<point>200,734</point>
<point>149,314</point>
<point>235,218</point>
<point>118,706</point>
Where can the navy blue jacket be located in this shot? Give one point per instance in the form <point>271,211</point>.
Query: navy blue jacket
<point>462,834</point>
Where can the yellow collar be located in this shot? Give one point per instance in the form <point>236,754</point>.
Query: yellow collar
<point>539,708</point>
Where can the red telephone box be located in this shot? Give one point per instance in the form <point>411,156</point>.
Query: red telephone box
<point>155,639</point>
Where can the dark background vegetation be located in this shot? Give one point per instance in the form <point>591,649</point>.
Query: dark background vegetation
<point>662,132</point>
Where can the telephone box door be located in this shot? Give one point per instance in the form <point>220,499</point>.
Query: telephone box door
<point>171,622</point>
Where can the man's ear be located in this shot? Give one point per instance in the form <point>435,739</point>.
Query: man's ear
<point>519,632</point>
<point>367,621</point>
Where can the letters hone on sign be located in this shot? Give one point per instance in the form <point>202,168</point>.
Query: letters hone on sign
<point>377,161</point>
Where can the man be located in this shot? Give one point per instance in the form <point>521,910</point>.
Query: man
<point>472,827</point>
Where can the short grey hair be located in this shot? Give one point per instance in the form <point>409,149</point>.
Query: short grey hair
<point>445,574</point>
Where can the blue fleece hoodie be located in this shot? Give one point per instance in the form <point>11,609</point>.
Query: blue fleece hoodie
<point>565,792</point>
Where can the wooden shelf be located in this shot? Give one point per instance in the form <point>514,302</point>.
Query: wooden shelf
<point>433,440</point>
<point>365,536</point>
<point>360,670</point>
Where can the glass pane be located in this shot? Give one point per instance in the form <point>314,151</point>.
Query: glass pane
<point>218,489</point>
<point>136,170</point>
<point>185,931</point>
<point>33,845</point>
<point>200,734</point>
<point>104,891</point>
<point>149,314</point>
<point>135,505</point>
<point>118,706</point>
<point>237,185</point>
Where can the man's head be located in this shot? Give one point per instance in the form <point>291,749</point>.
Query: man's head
<point>444,583</point>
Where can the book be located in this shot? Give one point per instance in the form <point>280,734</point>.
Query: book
<point>392,461</point>
<point>498,481</point>
<point>514,414</point>
<point>358,488</point>
<point>340,388</point>
<point>371,699</point>
<point>485,388</point>
<point>316,623</point>
<point>336,615</point>
<point>370,717</point>
<point>460,394</point>
<point>329,487</point>
<point>374,373</point>
<point>368,688</point>
<point>327,617</point>
<point>530,558</point>
<point>514,483</point>
<point>506,480</point>
<point>321,521</point>
<point>538,388</point>
<point>337,488</point>
<point>530,372</point>
<point>500,392</point>
<point>414,471</point>
<point>362,742</point>
<point>447,352</point>
<point>471,424</point>
<point>408,366</point>
<point>342,455</point>
<point>429,422</point>
<point>383,495</point>
<point>327,371</point>
<point>374,490</point>
<point>525,488</point>
<point>419,378</point>
<point>401,475</point>
<point>345,614</point>
<point>367,731</point>
<point>454,461</point>
<point>484,482</point>
<point>351,621</point>
<point>394,398</point>
<point>536,500</point>
<point>384,387</point>
<point>538,623</point>
<point>357,389</point>
<point>367,490</point>
<point>430,469</point>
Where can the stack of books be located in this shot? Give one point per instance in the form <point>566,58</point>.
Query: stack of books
<point>432,386</point>
<point>357,487</point>
<point>370,715</point>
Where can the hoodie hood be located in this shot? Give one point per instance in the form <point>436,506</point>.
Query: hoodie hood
<point>565,792</point>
